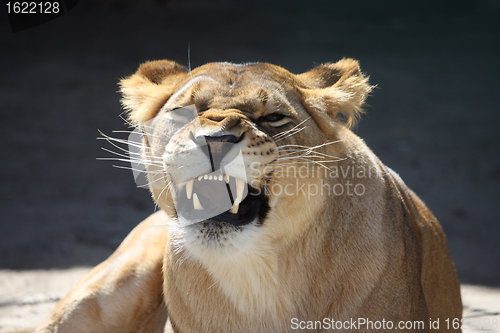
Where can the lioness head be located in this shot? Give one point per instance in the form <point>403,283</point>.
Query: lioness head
<point>217,140</point>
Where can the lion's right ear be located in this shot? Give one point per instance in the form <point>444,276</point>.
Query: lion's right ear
<point>145,92</point>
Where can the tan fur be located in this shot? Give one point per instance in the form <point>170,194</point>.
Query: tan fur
<point>122,294</point>
<point>379,255</point>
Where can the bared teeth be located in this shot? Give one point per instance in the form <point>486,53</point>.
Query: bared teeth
<point>189,188</point>
<point>214,177</point>
<point>236,206</point>
<point>196,202</point>
<point>240,188</point>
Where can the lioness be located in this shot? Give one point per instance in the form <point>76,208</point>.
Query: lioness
<point>275,216</point>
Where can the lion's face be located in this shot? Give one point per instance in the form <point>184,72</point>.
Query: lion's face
<point>217,140</point>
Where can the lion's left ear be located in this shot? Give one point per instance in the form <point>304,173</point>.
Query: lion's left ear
<point>145,92</point>
<point>335,89</point>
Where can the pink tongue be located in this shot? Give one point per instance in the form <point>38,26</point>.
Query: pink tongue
<point>213,194</point>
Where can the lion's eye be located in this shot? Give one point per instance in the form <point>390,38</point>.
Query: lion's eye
<point>275,119</point>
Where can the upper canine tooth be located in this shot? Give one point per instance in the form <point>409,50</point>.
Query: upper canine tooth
<point>226,178</point>
<point>200,178</point>
<point>236,206</point>
<point>240,187</point>
<point>196,202</point>
<point>189,188</point>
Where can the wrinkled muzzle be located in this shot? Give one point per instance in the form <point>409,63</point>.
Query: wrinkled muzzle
<point>205,171</point>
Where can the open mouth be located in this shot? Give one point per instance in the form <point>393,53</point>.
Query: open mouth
<point>217,197</point>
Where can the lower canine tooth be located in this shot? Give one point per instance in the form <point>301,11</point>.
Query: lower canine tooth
<point>196,202</point>
<point>189,188</point>
<point>236,206</point>
<point>226,178</point>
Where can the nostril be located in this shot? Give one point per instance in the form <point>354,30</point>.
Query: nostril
<point>217,147</point>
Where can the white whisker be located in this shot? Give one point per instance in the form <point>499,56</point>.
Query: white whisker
<point>158,179</point>
<point>126,142</point>
<point>167,186</point>
<point>122,149</point>
<point>120,154</point>
<point>124,160</point>
<point>315,147</point>
<point>128,159</point>
<point>123,141</point>
<point>134,125</point>
<point>279,135</point>
<point>134,131</point>
<point>290,134</point>
<point>134,169</point>
<point>126,120</point>
<point>305,156</point>
<point>305,162</point>
<point>189,59</point>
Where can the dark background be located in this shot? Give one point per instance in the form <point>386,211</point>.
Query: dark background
<point>433,118</point>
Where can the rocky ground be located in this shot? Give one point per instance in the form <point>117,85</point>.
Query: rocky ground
<point>433,118</point>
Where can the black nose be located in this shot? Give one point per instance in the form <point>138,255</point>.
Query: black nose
<point>217,148</point>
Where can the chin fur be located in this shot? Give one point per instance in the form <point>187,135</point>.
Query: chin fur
<point>240,260</point>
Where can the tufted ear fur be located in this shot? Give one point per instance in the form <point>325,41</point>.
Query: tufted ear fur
<point>333,90</point>
<point>145,92</point>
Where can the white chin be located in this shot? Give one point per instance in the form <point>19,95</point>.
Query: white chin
<point>200,239</point>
